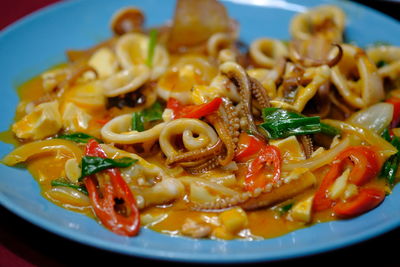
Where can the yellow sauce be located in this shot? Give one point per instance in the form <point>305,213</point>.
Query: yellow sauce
<point>262,223</point>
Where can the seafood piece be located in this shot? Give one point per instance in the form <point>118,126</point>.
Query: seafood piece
<point>197,137</point>
<point>297,90</point>
<point>327,21</point>
<point>128,19</point>
<point>387,59</point>
<point>132,49</point>
<point>118,131</point>
<point>179,79</point>
<point>357,81</point>
<point>266,52</point>
<point>126,81</point>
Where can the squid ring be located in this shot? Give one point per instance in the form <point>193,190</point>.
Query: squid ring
<point>118,131</point>
<point>126,81</point>
<point>327,20</point>
<point>361,88</point>
<point>265,52</point>
<point>389,55</point>
<point>218,42</point>
<point>131,48</point>
<point>196,134</point>
<point>318,77</point>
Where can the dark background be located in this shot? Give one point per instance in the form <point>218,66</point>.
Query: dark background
<point>24,245</point>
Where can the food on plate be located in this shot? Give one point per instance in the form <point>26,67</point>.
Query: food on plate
<point>184,129</point>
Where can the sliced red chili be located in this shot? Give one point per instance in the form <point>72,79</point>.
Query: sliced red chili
<point>365,166</point>
<point>364,161</point>
<point>367,199</point>
<point>111,198</point>
<point>193,111</point>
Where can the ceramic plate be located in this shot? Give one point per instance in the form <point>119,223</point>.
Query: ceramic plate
<point>39,41</point>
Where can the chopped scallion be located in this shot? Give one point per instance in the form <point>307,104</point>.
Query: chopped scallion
<point>151,48</point>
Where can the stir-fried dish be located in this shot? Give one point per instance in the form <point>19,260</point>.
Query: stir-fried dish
<point>186,130</point>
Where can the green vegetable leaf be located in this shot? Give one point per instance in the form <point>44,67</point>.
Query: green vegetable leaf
<point>281,123</point>
<point>329,130</point>
<point>92,165</point>
<point>66,183</point>
<point>284,209</point>
<point>288,127</point>
<point>381,63</point>
<point>386,135</point>
<point>153,113</point>
<point>151,47</point>
<point>138,121</point>
<point>78,137</point>
<point>389,168</point>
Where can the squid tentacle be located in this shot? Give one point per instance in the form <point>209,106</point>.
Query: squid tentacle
<point>196,154</point>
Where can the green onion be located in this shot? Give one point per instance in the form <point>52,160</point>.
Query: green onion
<point>287,127</point>
<point>280,123</point>
<point>389,168</point>
<point>78,137</point>
<point>284,209</point>
<point>381,63</point>
<point>386,135</point>
<point>151,48</point>
<point>66,183</point>
<point>329,130</point>
<point>92,165</point>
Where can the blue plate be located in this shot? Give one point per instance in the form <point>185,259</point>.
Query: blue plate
<point>39,41</point>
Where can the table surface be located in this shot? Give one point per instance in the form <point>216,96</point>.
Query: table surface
<point>24,245</point>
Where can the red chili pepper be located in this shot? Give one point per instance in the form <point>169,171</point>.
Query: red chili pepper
<point>365,166</point>
<point>248,145</point>
<point>367,199</point>
<point>111,198</point>
<point>321,200</point>
<point>193,111</point>
<point>365,163</point>
<point>395,101</point>
<point>268,155</point>
<point>102,121</point>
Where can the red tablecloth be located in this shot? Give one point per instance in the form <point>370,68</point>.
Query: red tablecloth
<point>25,245</point>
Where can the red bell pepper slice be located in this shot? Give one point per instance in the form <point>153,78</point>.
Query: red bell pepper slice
<point>365,166</point>
<point>111,198</point>
<point>367,199</point>
<point>395,101</point>
<point>193,111</point>
<point>248,145</point>
<point>268,155</point>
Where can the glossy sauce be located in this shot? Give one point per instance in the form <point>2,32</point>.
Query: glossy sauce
<point>262,223</point>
